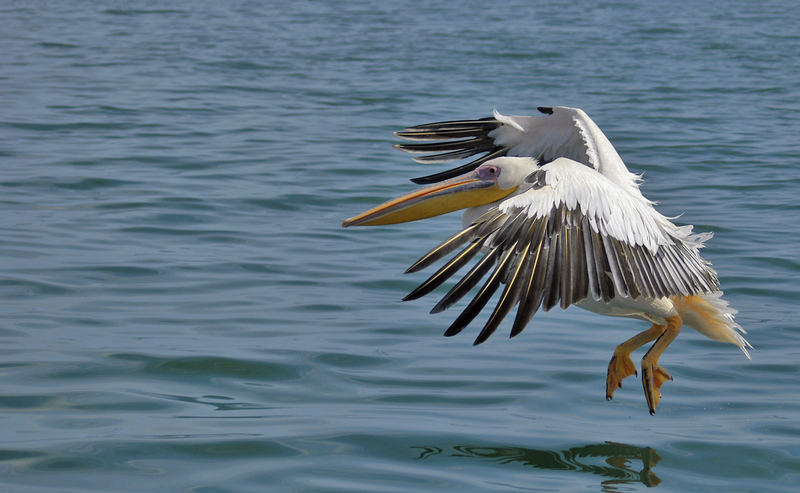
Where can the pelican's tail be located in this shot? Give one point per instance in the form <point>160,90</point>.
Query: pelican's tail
<point>711,315</point>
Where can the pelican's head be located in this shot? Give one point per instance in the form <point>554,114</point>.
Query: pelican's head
<point>492,181</point>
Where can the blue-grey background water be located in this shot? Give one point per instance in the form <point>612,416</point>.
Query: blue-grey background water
<point>182,311</point>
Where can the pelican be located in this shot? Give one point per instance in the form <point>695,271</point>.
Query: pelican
<point>560,221</point>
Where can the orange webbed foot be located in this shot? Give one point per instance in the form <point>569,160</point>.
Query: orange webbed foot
<point>653,377</point>
<point>619,368</point>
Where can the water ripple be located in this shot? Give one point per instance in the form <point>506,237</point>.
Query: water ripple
<point>177,290</point>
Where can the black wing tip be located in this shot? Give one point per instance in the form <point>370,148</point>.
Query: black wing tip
<point>425,180</point>
<point>444,175</point>
<point>480,339</point>
<point>547,110</point>
<point>416,294</point>
<point>452,173</point>
<point>451,331</point>
<point>465,123</point>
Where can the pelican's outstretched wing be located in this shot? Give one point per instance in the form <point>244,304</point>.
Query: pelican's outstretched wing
<point>574,233</point>
<point>563,132</point>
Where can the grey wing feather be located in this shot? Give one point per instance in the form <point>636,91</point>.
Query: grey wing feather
<point>557,259</point>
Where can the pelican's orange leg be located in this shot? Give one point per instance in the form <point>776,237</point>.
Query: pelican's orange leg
<point>653,376</point>
<point>621,365</point>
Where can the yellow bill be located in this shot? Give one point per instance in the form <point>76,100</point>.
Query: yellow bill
<point>462,192</point>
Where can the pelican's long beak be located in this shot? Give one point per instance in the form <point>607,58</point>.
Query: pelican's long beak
<point>458,193</point>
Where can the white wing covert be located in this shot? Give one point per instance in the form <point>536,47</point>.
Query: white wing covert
<point>562,132</point>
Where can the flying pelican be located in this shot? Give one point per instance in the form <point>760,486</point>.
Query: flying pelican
<point>561,220</point>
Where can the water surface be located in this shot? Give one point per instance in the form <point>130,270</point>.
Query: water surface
<point>183,312</point>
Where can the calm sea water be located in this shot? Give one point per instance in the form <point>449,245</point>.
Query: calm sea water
<point>181,310</point>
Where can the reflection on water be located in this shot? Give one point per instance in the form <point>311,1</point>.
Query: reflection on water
<point>619,463</point>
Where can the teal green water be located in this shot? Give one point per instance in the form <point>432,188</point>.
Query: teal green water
<point>182,311</point>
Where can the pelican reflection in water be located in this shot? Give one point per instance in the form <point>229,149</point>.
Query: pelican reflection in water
<point>560,221</point>
<point>616,462</point>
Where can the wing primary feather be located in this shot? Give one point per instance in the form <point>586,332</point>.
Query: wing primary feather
<point>565,284</point>
<point>534,292</point>
<point>663,276</point>
<point>443,134</point>
<point>537,230</point>
<point>635,276</point>
<point>605,278</point>
<point>591,268</point>
<point>509,297</point>
<point>613,264</point>
<point>447,156</point>
<point>685,273</point>
<point>629,268</point>
<point>671,272</point>
<point>553,276</point>
<point>477,144</point>
<point>491,221</point>
<point>705,277</point>
<point>476,305</point>
<point>467,282</point>
<point>556,221</point>
<point>443,249</point>
<point>541,281</point>
<point>534,234</point>
<point>675,278</point>
<point>446,270</point>
<point>488,215</point>
<point>510,228</point>
<point>641,277</point>
<point>663,287</point>
<point>488,122</point>
<point>526,277</point>
<point>707,274</point>
<point>460,170</point>
<point>449,130</point>
<point>651,277</point>
<point>579,268</point>
<point>574,269</point>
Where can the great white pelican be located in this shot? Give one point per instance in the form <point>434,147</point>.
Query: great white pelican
<point>559,220</point>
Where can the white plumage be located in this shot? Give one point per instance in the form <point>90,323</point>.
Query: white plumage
<point>563,222</point>
<point>611,211</point>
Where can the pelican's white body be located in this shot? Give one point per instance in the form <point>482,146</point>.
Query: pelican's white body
<point>654,310</point>
<point>591,176</point>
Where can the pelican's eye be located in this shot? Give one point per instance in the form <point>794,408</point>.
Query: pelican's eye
<point>488,172</point>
